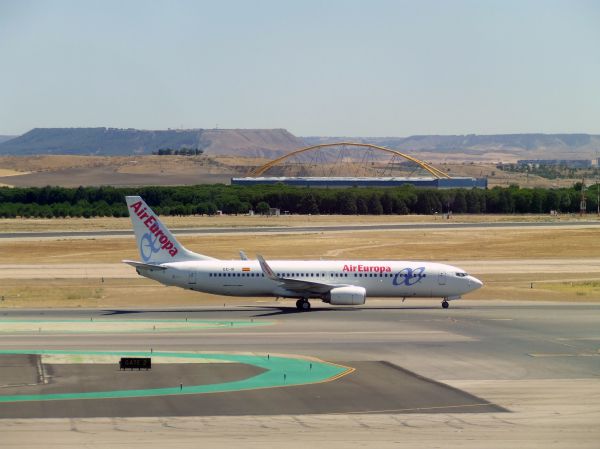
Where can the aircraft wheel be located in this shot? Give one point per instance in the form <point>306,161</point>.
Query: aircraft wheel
<point>299,304</point>
<point>305,306</point>
<point>445,304</point>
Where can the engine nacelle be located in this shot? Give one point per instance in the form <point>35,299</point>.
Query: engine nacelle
<point>347,296</point>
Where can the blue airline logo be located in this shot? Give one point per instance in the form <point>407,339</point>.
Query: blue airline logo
<point>407,276</point>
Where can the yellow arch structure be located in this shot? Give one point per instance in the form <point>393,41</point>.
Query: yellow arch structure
<point>434,171</point>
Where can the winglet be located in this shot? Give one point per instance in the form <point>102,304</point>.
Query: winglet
<point>266,268</point>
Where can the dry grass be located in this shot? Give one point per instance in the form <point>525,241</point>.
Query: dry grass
<point>458,244</point>
<point>112,293</point>
<point>9,172</point>
<point>584,290</point>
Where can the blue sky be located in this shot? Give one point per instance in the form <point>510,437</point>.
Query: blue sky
<point>351,68</point>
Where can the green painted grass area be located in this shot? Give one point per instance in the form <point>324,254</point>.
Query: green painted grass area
<point>120,326</point>
<point>280,371</point>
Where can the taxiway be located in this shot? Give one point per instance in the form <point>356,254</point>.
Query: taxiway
<point>528,373</point>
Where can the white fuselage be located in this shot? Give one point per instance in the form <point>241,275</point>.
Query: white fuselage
<point>379,278</point>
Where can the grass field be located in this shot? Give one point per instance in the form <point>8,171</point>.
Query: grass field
<point>456,244</point>
<point>570,279</point>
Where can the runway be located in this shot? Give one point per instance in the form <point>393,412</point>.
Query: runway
<point>301,229</point>
<point>495,370</point>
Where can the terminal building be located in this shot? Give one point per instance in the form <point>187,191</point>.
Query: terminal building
<point>423,182</point>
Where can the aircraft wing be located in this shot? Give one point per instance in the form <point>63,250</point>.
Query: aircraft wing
<point>296,285</point>
<point>148,266</point>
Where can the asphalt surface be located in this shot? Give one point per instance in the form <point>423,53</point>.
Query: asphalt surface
<point>479,374</point>
<point>497,340</point>
<point>372,388</point>
<point>295,229</point>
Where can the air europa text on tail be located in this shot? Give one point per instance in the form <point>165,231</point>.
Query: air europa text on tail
<point>151,223</point>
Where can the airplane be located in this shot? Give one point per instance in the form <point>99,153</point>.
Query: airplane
<point>337,282</point>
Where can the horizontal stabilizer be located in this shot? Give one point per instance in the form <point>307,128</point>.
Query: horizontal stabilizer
<point>147,266</point>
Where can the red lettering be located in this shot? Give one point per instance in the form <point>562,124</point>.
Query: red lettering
<point>136,206</point>
<point>368,268</point>
<point>152,224</point>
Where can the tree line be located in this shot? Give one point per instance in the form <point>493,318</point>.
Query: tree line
<point>178,152</point>
<point>48,202</point>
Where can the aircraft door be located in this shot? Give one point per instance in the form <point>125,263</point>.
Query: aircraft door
<point>442,278</point>
<point>192,277</point>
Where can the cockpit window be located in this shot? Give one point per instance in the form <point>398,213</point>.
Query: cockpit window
<point>461,275</point>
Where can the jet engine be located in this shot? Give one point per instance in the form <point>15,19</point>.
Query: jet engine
<point>346,296</point>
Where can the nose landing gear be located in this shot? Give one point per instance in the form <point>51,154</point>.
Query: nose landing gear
<point>445,304</point>
<point>303,305</point>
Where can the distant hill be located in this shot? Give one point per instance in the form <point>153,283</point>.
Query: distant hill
<point>530,146</point>
<point>271,143</point>
<point>5,138</point>
<point>115,141</point>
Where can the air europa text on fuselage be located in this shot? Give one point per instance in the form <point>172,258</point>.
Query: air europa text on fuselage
<point>150,222</point>
<point>368,268</point>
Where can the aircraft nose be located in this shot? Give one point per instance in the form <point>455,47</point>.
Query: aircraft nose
<point>475,283</point>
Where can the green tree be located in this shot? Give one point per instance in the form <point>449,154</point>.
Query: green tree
<point>387,202</point>
<point>473,204</point>
<point>361,206</point>
<point>459,205</point>
<point>375,206</point>
<point>262,208</point>
<point>308,205</point>
<point>346,203</point>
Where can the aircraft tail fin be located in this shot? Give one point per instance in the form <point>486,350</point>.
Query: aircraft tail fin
<point>155,242</point>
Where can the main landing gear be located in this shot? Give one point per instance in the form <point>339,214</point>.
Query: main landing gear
<point>303,305</point>
<point>445,304</point>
